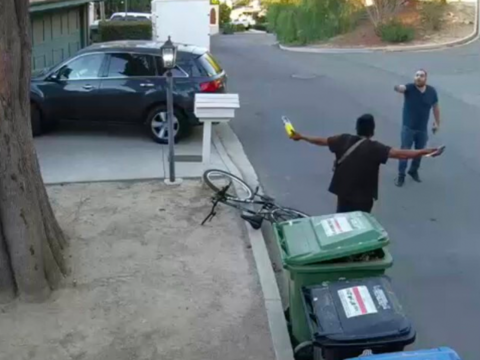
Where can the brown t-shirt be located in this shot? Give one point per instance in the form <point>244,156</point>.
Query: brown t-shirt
<point>356,178</point>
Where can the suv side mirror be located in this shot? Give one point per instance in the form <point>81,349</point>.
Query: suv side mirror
<point>54,77</point>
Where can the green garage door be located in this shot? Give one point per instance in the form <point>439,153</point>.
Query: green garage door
<point>56,35</point>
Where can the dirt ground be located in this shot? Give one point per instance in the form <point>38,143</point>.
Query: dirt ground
<point>458,22</point>
<point>147,281</point>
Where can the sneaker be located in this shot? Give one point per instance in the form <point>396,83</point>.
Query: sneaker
<point>415,176</point>
<point>400,180</point>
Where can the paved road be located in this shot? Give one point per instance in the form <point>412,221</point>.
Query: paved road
<point>434,226</point>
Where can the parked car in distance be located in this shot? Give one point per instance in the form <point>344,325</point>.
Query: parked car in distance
<point>120,16</point>
<point>246,21</point>
<point>130,16</point>
<point>124,82</point>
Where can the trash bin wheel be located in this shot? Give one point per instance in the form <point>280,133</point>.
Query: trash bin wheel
<point>304,351</point>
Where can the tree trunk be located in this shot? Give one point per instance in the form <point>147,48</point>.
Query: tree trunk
<point>31,241</point>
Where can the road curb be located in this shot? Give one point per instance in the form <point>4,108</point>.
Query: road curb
<point>231,151</point>
<point>474,36</point>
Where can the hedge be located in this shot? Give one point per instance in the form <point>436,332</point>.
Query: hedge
<point>305,21</point>
<point>125,30</point>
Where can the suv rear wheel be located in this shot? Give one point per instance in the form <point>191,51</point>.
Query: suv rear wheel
<point>158,124</point>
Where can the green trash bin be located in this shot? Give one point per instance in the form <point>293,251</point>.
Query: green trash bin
<point>329,248</point>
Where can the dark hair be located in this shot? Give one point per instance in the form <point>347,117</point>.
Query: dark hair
<point>366,125</point>
<point>424,71</point>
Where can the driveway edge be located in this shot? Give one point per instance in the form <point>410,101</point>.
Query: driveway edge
<point>425,47</point>
<point>231,151</point>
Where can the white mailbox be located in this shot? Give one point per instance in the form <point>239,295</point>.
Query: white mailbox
<point>210,108</point>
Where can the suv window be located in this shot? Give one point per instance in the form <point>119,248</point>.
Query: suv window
<point>209,66</point>
<point>127,65</point>
<point>84,67</point>
<point>189,66</point>
<point>177,71</point>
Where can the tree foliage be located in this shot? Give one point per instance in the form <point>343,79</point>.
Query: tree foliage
<point>225,12</point>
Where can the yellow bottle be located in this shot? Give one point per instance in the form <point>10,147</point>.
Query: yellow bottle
<point>289,129</point>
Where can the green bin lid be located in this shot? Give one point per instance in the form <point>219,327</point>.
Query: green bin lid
<point>322,238</point>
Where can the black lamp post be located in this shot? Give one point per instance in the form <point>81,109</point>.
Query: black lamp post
<point>169,55</point>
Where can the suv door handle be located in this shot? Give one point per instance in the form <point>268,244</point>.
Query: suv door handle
<point>88,87</point>
<point>147,85</point>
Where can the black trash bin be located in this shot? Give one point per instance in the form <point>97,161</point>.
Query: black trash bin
<point>350,316</point>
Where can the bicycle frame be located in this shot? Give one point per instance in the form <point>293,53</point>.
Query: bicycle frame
<point>267,205</point>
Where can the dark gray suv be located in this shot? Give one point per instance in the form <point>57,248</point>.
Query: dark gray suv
<point>124,82</point>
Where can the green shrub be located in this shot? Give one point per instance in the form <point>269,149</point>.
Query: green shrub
<point>94,35</point>
<point>273,12</point>
<point>239,28</point>
<point>228,29</point>
<point>260,27</point>
<point>260,19</point>
<point>125,30</point>
<point>225,12</point>
<point>396,32</point>
<point>308,21</point>
<point>287,28</point>
<point>432,13</point>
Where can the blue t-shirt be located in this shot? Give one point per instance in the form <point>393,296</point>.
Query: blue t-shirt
<point>417,106</point>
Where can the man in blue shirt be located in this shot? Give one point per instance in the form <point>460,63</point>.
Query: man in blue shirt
<point>420,99</point>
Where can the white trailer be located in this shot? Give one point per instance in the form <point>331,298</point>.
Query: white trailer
<point>185,21</point>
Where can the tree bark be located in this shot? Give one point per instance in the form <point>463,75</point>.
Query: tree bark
<point>31,241</point>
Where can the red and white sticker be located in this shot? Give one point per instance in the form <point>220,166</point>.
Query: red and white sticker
<point>356,301</point>
<point>336,225</point>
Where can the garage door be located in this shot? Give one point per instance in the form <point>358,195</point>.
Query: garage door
<point>56,35</point>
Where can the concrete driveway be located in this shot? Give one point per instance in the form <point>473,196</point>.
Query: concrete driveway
<point>434,225</point>
<point>78,153</point>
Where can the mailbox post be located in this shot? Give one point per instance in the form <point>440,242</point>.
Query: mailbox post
<point>213,108</point>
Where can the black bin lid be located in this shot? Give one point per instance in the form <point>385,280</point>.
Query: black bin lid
<point>356,311</point>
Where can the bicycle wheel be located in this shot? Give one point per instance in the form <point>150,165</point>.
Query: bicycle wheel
<point>284,214</point>
<point>218,180</point>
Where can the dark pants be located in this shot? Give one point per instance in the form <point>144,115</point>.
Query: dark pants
<point>348,205</point>
<point>412,138</point>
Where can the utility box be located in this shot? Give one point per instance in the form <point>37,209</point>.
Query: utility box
<point>185,21</point>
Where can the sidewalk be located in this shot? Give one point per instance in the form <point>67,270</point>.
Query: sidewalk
<point>148,282</point>
<point>102,153</point>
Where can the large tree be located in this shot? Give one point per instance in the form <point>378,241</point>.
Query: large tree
<point>31,241</point>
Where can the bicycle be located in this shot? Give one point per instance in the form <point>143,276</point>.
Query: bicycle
<point>241,197</point>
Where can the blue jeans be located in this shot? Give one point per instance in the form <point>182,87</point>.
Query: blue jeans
<point>412,138</point>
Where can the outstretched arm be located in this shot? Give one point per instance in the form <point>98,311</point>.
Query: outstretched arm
<point>409,154</point>
<point>400,88</point>
<point>319,141</point>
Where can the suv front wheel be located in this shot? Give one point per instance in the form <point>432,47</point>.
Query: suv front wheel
<point>158,124</point>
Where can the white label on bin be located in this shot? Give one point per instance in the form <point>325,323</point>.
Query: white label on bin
<point>356,301</point>
<point>336,225</point>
